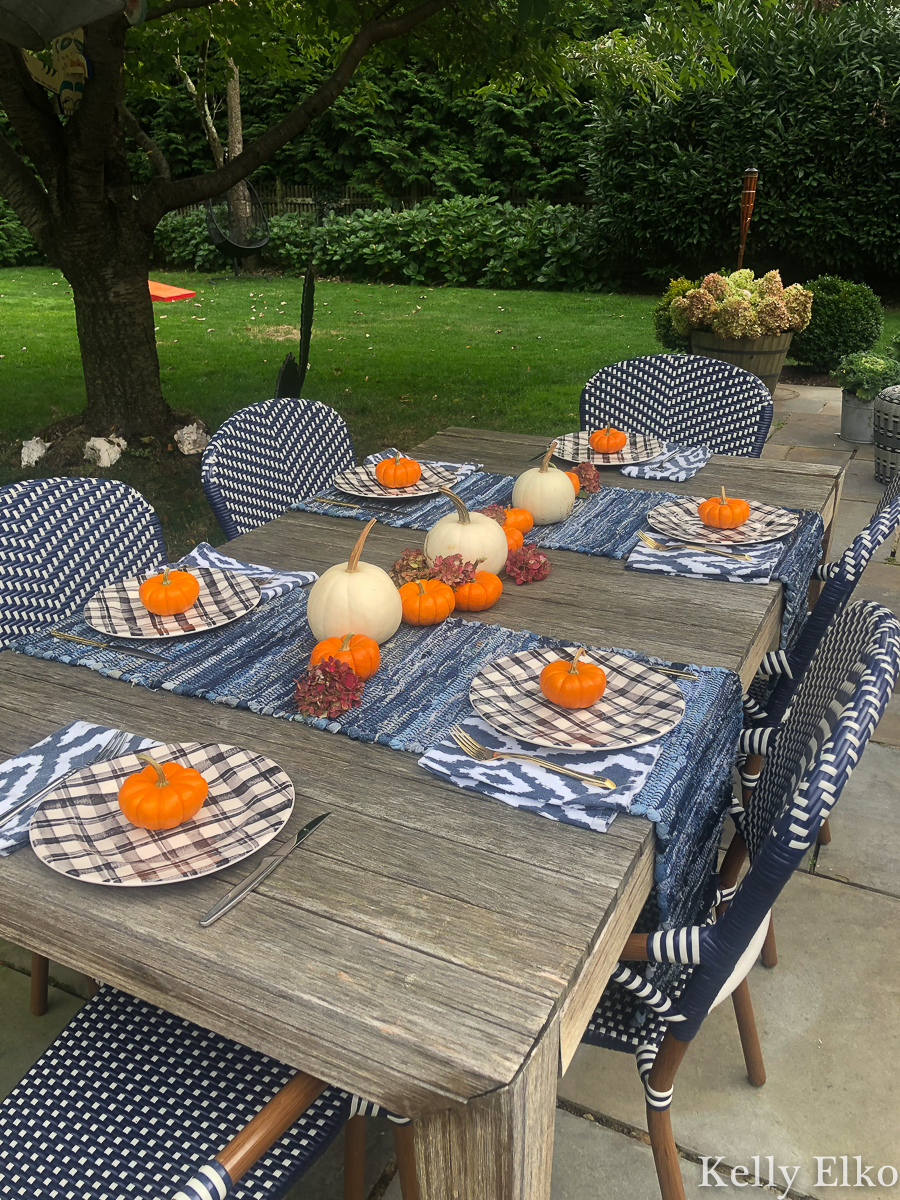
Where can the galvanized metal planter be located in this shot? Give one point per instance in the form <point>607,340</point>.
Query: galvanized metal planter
<point>762,356</point>
<point>856,419</point>
<point>886,433</point>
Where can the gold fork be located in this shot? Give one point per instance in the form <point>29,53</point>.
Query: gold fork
<point>482,754</point>
<point>655,545</point>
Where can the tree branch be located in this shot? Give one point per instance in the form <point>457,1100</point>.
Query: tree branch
<point>19,186</point>
<point>161,197</point>
<point>174,5</point>
<point>94,125</point>
<point>146,143</point>
<point>201,104</point>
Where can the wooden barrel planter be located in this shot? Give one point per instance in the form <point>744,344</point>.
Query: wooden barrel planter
<point>762,356</point>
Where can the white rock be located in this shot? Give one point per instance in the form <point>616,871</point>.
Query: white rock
<point>104,451</point>
<point>32,450</point>
<point>193,439</point>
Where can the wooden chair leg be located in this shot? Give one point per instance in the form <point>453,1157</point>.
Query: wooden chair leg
<point>355,1158</point>
<point>743,1010</point>
<point>752,766</point>
<point>39,995</point>
<point>665,1154</point>
<point>824,833</point>
<point>92,986</point>
<point>770,951</point>
<point>404,1148</point>
<point>659,1122</point>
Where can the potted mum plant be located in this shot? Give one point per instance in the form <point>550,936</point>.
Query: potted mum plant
<point>862,376</point>
<point>743,320</point>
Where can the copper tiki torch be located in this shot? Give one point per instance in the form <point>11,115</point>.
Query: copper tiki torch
<point>748,197</point>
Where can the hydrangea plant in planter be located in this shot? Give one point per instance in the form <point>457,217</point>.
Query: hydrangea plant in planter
<point>743,320</point>
<point>862,376</point>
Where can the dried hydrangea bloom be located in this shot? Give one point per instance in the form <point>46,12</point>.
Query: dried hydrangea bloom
<point>741,281</point>
<point>701,307</point>
<point>589,476</point>
<point>716,285</point>
<point>528,564</point>
<point>798,302</point>
<point>678,314</point>
<point>770,286</point>
<point>735,319</point>
<point>328,689</point>
<point>772,316</point>
<point>495,511</point>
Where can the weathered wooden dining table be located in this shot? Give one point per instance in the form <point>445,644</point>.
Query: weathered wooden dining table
<point>428,948</point>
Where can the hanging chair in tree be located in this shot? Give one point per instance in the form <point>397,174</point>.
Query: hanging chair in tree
<point>236,223</point>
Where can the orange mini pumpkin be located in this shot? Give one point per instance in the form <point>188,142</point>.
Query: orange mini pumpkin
<point>519,518</point>
<point>359,652</point>
<point>162,796</point>
<point>169,593</point>
<point>574,480</point>
<point>573,684</point>
<point>483,592</point>
<point>514,538</point>
<point>723,512</point>
<point>608,440</point>
<point>398,472</point>
<point>427,601</point>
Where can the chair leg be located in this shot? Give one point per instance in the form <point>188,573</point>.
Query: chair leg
<point>404,1148</point>
<point>92,986</point>
<point>665,1154</point>
<point>659,1122</point>
<point>355,1158</point>
<point>39,997</point>
<point>770,951</point>
<point>824,833</point>
<point>752,766</point>
<point>743,1010</point>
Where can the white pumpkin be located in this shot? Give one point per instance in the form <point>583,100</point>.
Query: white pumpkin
<point>479,539</point>
<point>545,492</point>
<point>354,596</point>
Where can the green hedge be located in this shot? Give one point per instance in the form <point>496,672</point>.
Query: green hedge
<point>814,104</point>
<point>16,247</point>
<point>468,241</point>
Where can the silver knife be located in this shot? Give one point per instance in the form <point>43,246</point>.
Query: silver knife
<point>71,637</point>
<point>263,871</point>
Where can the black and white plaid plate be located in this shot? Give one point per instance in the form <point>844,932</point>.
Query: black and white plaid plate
<point>576,448</point>
<point>680,519</point>
<point>638,705</point>
<point>80,831</point>
<point>224,596</point>
<point>361,481</point>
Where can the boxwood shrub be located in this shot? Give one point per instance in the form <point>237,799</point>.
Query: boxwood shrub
<point>846,318</point>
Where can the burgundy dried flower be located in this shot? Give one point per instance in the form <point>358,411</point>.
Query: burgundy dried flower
<point>412,564</point>
<point>495,511</point>
<point>528,565</point>
<point>589,476</point>
<point>329,689</point>
<point>451,569</point>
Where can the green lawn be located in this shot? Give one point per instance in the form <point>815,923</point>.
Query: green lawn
<point>397,362</point>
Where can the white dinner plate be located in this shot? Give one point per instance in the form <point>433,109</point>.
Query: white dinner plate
<point>361,481</point>
<point>576,448</point>
<point>224,596</point>
<point>680,519</point>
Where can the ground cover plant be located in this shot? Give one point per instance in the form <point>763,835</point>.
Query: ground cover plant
<point>398,362</point>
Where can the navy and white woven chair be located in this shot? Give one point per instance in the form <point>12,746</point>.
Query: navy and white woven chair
<point>133,1103</point>
<point>62,539</point>
<point>682,398</point>
<point>836,708</point>
<point>769,696</point>
<point>266,456</point>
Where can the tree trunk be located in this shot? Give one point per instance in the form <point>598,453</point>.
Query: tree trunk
<point>114,317</point>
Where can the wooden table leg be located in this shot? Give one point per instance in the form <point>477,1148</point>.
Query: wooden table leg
<point>499,1146</point>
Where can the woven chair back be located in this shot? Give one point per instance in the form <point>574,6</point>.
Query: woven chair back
<point>682,398</point>
<point>841,580</point>
<point>836,709</point>
<point>266,456</point>
<point>62,539</point>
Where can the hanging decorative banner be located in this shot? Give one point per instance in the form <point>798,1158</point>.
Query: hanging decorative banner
<point>748,197</point>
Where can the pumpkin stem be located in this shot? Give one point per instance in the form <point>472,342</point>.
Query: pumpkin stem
<point>353,561</point>
<point>724,497</point>
<point>161,780</point>
<point>165,576</point>
<point>551,450</point>
<point>421,584</point>
<point>397,457</point>
<point>573,670</point>
<point>345,644</point>
<point>461,511</point>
